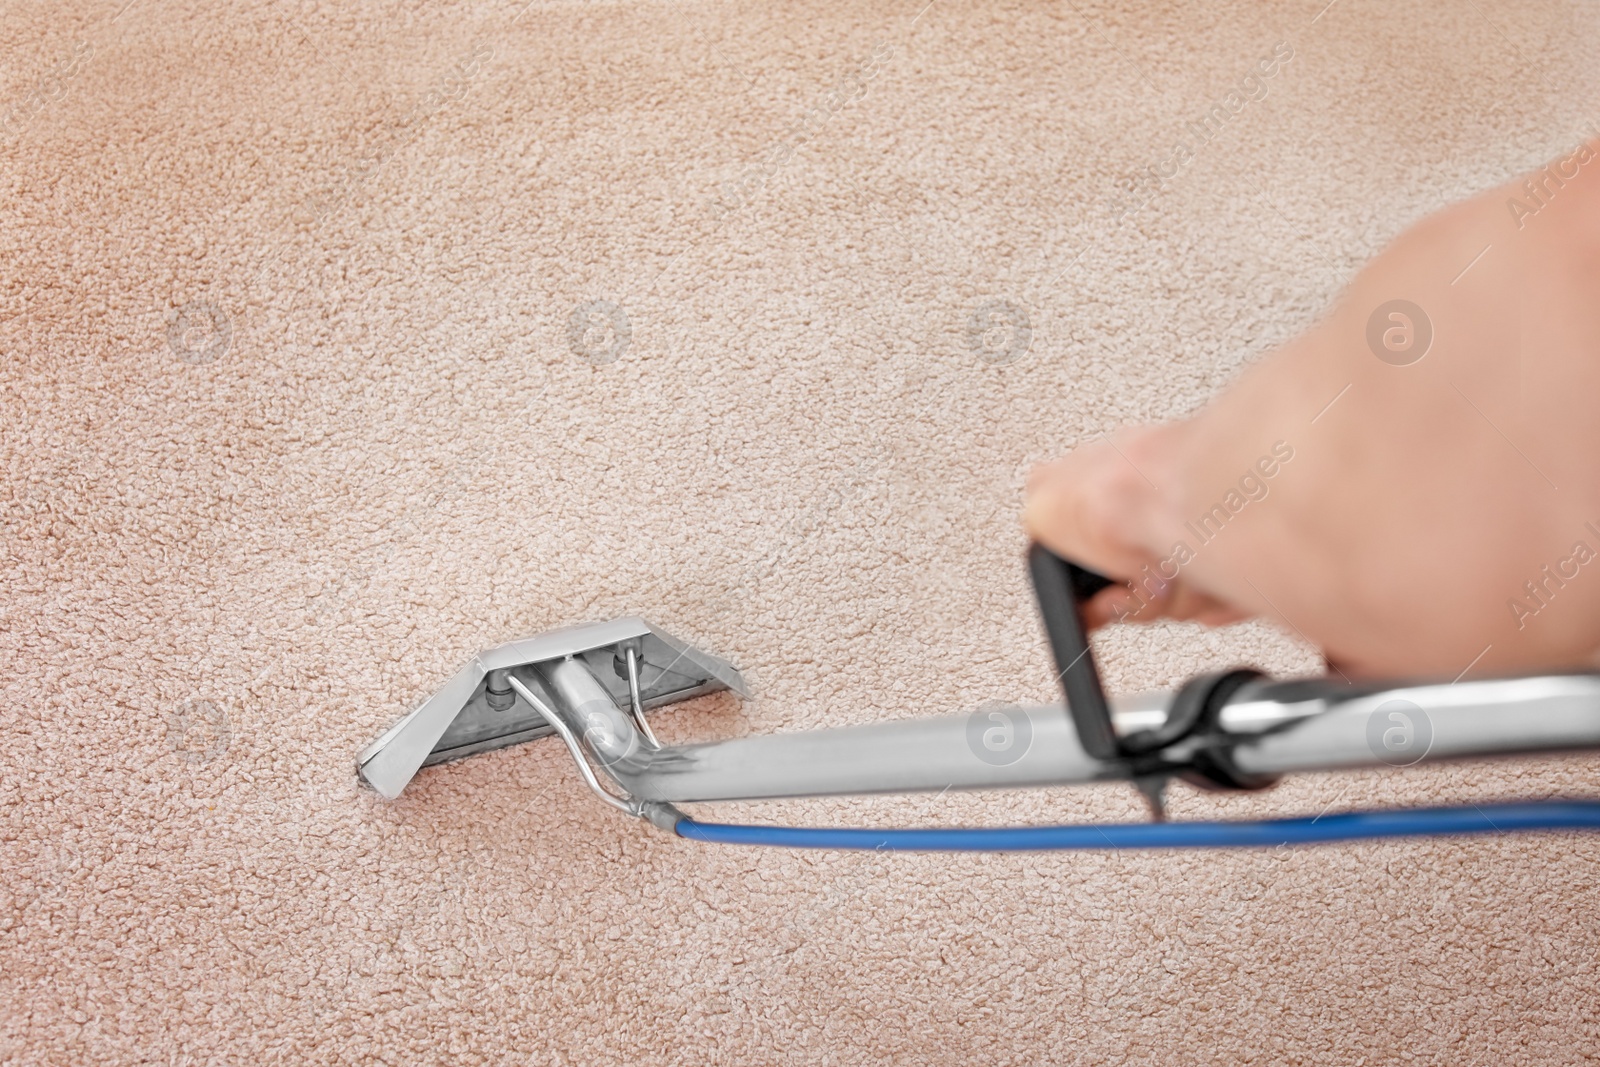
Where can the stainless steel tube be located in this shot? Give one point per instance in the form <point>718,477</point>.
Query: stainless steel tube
<point>1411,724</point>
<point>1280,728</point>
<point>891,757</point>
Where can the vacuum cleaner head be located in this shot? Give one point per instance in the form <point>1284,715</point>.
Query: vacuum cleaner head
<point>638,666</point>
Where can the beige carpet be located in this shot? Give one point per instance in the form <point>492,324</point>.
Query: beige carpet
<point>296,418</point>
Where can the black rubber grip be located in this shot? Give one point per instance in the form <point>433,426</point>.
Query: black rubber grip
<point>1061,588</point>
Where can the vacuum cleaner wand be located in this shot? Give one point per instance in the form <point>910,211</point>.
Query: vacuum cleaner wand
<point>1234,729</point>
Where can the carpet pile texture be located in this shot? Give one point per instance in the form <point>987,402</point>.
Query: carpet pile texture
<point>343,340</point>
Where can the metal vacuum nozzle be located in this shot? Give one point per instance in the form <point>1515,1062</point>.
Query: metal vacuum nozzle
<point>480,709</point>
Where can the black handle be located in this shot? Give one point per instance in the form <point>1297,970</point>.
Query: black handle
<point>1062,588</point>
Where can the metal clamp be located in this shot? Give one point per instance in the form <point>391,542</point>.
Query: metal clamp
<point>1151,757</point>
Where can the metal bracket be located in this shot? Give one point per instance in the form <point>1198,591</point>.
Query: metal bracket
<point>1062,588</point>
<point>479,710</point>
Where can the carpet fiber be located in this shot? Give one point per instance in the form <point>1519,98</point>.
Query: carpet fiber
<point>342,340</point>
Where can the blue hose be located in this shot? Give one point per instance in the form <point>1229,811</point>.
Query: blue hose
<point>1268,833</point>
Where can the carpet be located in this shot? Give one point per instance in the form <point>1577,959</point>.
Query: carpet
<point>344,340</point>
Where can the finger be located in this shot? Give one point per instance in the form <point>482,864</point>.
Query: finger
<point>1189,604</point>
<point>1156,600</point>
<point>1086,508</point>
<point>1115,604</point>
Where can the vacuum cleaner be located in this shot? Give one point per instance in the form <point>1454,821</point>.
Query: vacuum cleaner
<point>1234,729</point>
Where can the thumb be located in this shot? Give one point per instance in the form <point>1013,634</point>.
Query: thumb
<point>1090,507</point>
<point>1101,508</point>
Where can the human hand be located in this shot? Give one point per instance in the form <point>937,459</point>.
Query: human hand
<point>1409,504</point>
